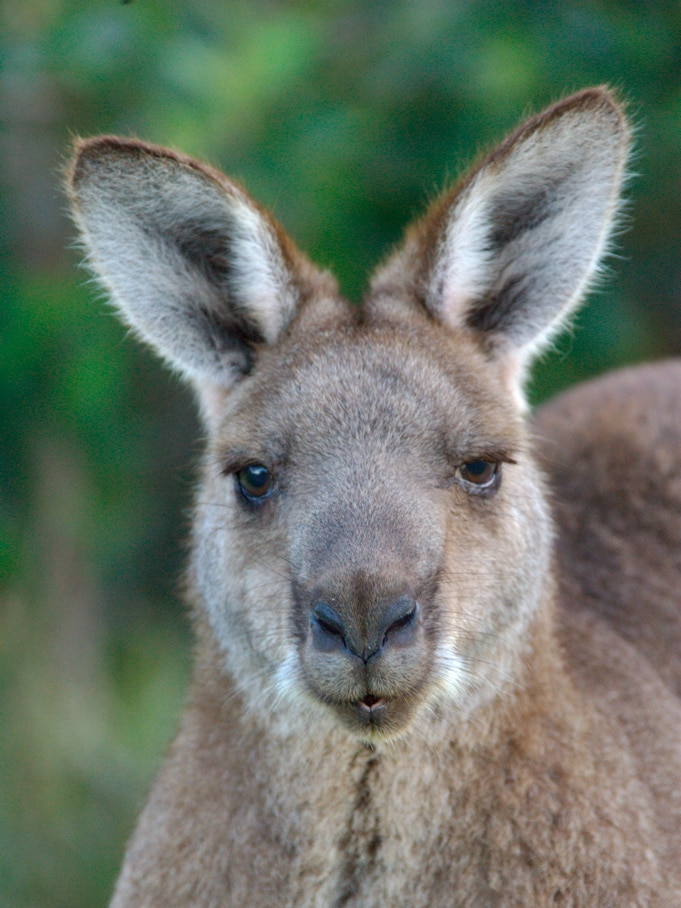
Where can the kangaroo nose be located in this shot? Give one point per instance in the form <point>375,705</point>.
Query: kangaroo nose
<point>392,624</point>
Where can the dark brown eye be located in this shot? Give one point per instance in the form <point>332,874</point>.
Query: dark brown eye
<point>255,482</point>
<point>480,475</point>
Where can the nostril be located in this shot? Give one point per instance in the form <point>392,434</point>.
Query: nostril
<point>395,625</point>
<point>328,631</point>
<point>328,618</point>
<point>404,621</point>
<point>401,618</point>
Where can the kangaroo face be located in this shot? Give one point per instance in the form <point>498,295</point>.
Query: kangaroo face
<point>370,525</point>
<point>370,539</point>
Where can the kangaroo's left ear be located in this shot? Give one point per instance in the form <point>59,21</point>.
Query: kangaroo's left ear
<point>510,251</point>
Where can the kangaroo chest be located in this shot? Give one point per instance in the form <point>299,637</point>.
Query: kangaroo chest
<point>386,834</point>
<point>359,843</point>
<point>475,831</point>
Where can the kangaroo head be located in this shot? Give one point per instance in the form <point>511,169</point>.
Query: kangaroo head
<point>370,538</point>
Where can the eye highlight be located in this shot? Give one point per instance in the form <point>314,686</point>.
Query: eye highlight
<point>255,482</point>
<point>480,476</point>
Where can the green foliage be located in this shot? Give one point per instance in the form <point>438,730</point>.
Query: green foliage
<point>343,117</point>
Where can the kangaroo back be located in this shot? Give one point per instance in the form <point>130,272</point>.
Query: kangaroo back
<point>402,696</point>
<point>612,451</point>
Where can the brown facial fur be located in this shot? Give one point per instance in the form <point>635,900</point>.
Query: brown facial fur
<point>404,693</point>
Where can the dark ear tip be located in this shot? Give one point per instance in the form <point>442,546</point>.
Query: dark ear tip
<point>600,100</point>
<point>87,153</point>
<point>597,109</point>
<point>593,96</point>
<point>108,152</point>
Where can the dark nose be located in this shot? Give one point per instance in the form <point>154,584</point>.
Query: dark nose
<point>335,628</point>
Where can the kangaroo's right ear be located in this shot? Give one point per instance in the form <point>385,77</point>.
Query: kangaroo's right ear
<point>192,263</point>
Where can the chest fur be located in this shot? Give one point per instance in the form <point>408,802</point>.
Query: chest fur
<point>483,829</point>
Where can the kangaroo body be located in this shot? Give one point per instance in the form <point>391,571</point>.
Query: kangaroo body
<point>405,692</point>
<point>612,449</point>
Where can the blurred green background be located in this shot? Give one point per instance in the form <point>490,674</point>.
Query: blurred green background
<point>344,118</point>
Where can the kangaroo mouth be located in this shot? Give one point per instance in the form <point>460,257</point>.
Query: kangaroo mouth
<point>371,705</point>
<point>375,718</point>
<point>371,708</point>
<point>372,715</point>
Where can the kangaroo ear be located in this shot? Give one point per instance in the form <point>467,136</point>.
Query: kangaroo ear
<point>192,263</point>
<point>509,252</point>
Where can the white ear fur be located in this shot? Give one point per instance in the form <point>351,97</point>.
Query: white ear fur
<point>191,262</point>
<point>508,254</point>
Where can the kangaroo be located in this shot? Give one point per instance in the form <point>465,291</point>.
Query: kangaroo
<point>410,688</point>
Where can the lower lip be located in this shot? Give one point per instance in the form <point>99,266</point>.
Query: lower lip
<point>371,708</point>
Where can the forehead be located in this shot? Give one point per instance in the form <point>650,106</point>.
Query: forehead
<point>371,385</point>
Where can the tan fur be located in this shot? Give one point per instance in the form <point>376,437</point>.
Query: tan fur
<point>405,692</point>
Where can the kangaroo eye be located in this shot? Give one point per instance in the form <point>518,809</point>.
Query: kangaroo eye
<point>480,475</point>
<point>255,482</point>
